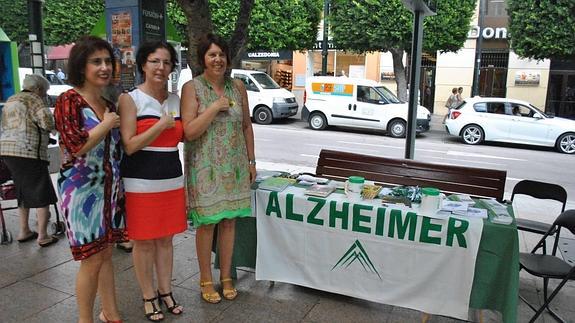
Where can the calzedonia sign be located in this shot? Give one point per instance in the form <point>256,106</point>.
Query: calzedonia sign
<point>268,55</point>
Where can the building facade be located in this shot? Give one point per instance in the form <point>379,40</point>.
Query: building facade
<point>547,84</point>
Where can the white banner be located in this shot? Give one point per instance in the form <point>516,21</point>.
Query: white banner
<point>368,251</point>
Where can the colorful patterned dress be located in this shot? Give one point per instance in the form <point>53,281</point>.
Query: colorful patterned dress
<point>89,185</point>
<point>216,164</point>
<point>153,179</point>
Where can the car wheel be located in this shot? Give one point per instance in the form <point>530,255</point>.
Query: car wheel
<point>566,143</point>
<point>397,128</point>
<point>263,115</point>
<point>472,134</point>
<point>317,121</point>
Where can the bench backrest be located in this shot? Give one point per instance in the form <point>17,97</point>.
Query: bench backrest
<point>391,171</point>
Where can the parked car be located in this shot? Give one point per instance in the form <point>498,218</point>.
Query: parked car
<point>267,100</point>
<point>357,103</point>
<point>57,86</point>
<point>507,120</point>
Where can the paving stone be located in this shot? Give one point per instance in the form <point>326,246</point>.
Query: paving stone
<point>24,299</point>
<point>61,278</point>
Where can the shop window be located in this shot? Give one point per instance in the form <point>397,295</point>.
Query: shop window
<point>496,8</point>
<point>340,64</point>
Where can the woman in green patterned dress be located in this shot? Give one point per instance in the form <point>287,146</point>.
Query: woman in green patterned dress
<point>218,159</point>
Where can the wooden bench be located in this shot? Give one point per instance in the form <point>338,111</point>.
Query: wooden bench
<point>477,182</point>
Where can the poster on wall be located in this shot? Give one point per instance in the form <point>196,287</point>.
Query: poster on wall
<point>124,51</point>
<point>531,78</point>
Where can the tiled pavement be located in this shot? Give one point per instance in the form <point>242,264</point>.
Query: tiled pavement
<point>37,285</point>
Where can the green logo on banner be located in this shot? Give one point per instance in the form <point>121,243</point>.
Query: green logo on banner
<point>356,252</point>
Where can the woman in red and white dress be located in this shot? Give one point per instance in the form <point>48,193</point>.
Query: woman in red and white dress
<point>152,172</point>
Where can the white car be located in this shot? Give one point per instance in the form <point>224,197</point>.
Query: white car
<point>507,120</point>
<point>57,86</point>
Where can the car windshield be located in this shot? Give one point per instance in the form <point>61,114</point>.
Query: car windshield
<point>387,94</point>
<point>537,109</point>
<point>265,81</point>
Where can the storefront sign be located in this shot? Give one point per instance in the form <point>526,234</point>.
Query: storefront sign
<point>527,78</point>
<point>259,56</point>
<point>319,45</point>
<point>153,20</point>
<point>487,32</point>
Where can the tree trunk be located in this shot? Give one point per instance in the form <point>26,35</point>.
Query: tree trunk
<point>199,20</point>
<point>399,71</point>
<point>240,35</point>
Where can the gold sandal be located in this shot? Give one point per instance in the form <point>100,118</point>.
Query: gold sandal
<point>231,293</point>
<point>212,298</point>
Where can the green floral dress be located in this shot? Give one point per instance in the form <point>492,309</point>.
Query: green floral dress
<point>216,164</point>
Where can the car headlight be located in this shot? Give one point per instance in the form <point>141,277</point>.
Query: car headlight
<point>279,100</point>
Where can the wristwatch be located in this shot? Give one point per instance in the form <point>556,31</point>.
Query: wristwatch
<point>252,162</point>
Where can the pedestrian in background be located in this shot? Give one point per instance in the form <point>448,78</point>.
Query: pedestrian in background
<point>152,173</point>
<point>459,95</point>
<point>89,181</point>
<point>61,75</point>
<point>451,102</point>
<point>26,127</point>
<point>219,160</point>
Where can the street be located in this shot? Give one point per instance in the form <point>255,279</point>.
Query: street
<point>291,145</point>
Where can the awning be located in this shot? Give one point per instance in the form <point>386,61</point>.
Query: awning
<point>3,36</point>
<point>60,52</point>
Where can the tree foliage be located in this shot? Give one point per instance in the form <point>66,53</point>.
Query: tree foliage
<point>13,20</point>
<point>272,24</point>
<point>542,29</point>
<point>373,25</point>
<point>64,20</point>
<point>67,20</point>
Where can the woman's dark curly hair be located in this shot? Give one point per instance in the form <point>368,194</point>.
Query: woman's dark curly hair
<point>84,47</point>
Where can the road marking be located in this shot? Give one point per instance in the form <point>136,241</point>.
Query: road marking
<point>262,165</point>
<point>313,156</point>
<point>460,153</point>
<point>373,145</point>
<point>347,149</point>
<point>467,161</point>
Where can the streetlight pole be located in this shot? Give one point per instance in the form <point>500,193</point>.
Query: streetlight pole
<point>478,50</point>
<point>324,42</point>
<point>420,10</point>
<point>36,36</point>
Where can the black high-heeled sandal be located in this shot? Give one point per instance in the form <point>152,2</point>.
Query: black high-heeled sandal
<point>155,310</point>
<point>176,308</point>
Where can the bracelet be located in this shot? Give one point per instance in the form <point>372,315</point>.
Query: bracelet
<point>252,162</point>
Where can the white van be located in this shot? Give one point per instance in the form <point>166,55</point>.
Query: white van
<point>267,99</point>
<point>357,103</point>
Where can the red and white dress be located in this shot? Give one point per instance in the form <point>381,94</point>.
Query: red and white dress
<point>153,179</point>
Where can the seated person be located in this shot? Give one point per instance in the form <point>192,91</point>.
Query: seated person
<point>362,95</point>
<point>499,109</point>
<point>516,111</point>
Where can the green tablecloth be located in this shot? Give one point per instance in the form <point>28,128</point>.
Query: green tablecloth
<point>496,279</point>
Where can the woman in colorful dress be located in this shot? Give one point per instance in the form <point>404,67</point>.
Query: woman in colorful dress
<point>89,181</point>
<point>219,160</point>
<point>152,173</point>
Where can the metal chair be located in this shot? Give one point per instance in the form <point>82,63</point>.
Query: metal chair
<point>539,190</point>
<point>549,266</point>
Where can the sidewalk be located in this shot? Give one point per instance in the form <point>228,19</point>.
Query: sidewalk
<point>37,285</point>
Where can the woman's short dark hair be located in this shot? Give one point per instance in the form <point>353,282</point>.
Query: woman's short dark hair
<point>148,48</point>
<point>84,47</point>
<point>204,44</point>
